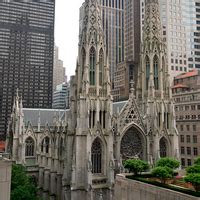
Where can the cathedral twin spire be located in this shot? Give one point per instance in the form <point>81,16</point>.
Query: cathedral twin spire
<point>153,74</point>
<point>93,72</point>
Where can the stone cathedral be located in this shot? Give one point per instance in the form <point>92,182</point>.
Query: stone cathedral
<point>74,154</point>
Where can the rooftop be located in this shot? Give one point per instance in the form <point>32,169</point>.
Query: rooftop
<point>194,72</point>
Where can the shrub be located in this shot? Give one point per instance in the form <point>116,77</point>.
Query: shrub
<point>193,169</point>
<point>162,173</point>
<point>194,179</point>
<point>168,162</point>
<point>136,166</point>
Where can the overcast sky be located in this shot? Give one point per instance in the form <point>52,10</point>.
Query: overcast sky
<point>66,32</point>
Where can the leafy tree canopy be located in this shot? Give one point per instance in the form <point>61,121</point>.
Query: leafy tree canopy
<point>194,179</point>
<point>136,166</point>
<point>162,173</point>
<point>193,169</point>
<point>197,161</point>
<point>168,162</point>
<point>22,185</point>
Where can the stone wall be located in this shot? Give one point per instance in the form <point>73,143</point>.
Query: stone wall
<point>126,189</point>
<point>5,178</point>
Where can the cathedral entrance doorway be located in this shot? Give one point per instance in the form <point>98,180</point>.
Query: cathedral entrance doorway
<point>133,144</point>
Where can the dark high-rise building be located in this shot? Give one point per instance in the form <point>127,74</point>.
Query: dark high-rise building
<point>26,54</point>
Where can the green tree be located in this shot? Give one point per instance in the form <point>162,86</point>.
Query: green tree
<point>163,173</point>
<point>194,179</point>
<point>193,169</point>
<point>136,166</point>
<point>168,162</point>
<point>197,161</point>
<point>22,185</point>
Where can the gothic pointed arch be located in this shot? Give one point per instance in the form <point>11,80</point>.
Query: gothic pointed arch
<point>163,147</point>
<point>133,143</point>
<point>60,146</point>
<point>97,156</point>
<point>92,65</point>
<point>147,65</point>
<point>45,145</point>
<point>155,69</point>
<point>101,64</point>
<point>30,147</point>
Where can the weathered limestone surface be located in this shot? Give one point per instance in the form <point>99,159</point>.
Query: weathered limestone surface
<point>5,179</point>
<point>126,189</point>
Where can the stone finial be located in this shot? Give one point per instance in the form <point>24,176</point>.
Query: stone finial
<point>132,87</point>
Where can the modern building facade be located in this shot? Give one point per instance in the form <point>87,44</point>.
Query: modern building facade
<point>26,54</point>
<point>186,93</point>
<point>124,74</point>
<point>191,19</point>
<point>132,32</point>
<point>128,69</point>
<point>77,151</point>
<point>59,76</point>
<point>60,95</point>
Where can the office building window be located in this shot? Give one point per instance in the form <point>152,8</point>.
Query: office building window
<point>188,138</point>
<point>182,138</point>
<point>195,151</point>
<point>182,150</point>
<point>189,162</point>
<point>188,150</point>
<point>194,138</point>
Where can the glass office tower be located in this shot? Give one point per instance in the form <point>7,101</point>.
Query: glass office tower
<point>26,54</point>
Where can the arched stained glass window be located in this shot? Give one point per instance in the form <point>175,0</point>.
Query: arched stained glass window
<point>96,156</point>
<point>92,65</point>
<point>30,146</point>
<point>155,64</point>
<point>163,147</point>
<point>132,144</point>
<point>101,63</point>
<point>147,72</point>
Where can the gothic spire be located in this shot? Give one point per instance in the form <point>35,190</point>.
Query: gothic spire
<point>92,26</point>
<point>152,23</point>
<point>92,68</point>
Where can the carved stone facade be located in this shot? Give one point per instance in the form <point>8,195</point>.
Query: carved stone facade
<point>74,153</point>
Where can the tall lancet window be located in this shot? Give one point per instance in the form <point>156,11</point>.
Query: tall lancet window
<point>101,63</point>
<point>147,72</point>
<point>155,64</point>
<point>92,65</point>
<point>29,151</point>
<point>163,147</point>
<point>83,54</point>
<point>96,156</point>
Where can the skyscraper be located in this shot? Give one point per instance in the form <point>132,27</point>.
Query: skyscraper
<point>127,69</point>
<point>58,70</point>
<point>191,20</point>
<point>113,26</point>
<point>26,54</point>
